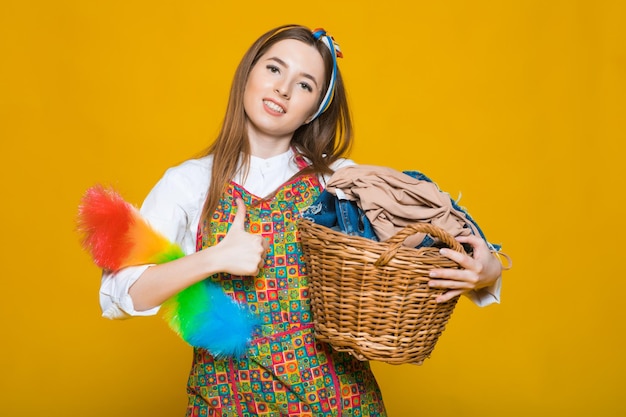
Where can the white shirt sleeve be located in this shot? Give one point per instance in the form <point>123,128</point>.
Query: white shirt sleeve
<point>486,296</point>
<point>172,208</point>
<point>338,164</point>
<point>115,301</point>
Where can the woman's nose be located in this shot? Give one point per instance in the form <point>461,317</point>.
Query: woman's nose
<point>282,90</point>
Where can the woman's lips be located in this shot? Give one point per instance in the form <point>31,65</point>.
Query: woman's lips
<point>274,107</point>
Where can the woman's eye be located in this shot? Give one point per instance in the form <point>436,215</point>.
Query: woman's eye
<point>273,69</point>
<point>306,87</point>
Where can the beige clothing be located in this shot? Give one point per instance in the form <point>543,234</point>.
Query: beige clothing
<point>392,199</point>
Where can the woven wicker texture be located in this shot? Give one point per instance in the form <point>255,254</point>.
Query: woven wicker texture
<point>372,299</point>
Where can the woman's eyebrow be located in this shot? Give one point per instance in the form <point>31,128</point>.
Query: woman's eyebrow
<point>284,64</point>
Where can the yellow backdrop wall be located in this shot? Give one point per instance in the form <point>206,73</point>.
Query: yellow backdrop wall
<point>517,105</point>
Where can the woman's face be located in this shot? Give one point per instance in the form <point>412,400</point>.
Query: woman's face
<point>283,90</point>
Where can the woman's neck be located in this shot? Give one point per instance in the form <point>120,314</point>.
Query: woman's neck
<point>267,147</point>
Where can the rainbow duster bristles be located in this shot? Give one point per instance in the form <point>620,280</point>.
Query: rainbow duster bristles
<point>224,329</point>
<point>116,236</point>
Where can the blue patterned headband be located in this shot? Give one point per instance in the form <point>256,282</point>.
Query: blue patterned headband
<point>335,52</point>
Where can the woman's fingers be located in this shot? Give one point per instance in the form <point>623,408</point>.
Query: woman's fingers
<point>469,276</point>
<point>464,260</point>
<point>242,253</point>
<point>240,217</point>
<point>449,295</point>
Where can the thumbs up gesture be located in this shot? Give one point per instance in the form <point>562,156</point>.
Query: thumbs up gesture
<point>240,252</point>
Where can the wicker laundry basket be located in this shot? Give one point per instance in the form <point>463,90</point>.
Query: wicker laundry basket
<point>372,299</point>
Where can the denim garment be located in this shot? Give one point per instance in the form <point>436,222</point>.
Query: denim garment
<point>339,213</point>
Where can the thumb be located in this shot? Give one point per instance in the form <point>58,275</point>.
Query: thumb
<point>240,218</point>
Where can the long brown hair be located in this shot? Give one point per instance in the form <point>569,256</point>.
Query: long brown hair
<point>321,141</point>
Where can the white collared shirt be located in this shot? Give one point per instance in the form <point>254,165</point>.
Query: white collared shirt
<point>174,206</point>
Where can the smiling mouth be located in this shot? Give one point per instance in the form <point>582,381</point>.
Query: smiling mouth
<point>273,106</point>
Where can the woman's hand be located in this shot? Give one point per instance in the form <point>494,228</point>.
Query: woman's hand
<point>240,252</point>
<point>478,271</point>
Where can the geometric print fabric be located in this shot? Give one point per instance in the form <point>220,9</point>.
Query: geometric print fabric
<point>285,372</point>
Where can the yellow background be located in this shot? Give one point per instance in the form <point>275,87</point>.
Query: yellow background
<point>518,105</point>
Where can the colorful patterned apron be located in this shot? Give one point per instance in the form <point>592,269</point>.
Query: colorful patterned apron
<point>286,372</point>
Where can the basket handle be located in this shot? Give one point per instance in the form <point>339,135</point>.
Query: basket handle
<point>398,239</point>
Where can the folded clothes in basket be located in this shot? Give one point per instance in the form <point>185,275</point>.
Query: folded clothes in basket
<point>376,202</point>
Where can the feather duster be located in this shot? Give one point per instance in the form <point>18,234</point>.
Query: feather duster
<point>116,236</point>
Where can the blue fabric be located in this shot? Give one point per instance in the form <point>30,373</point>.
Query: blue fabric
<point>347,217</point>
<point>340,214</point>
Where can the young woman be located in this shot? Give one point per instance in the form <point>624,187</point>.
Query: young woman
<point>234,213</point>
